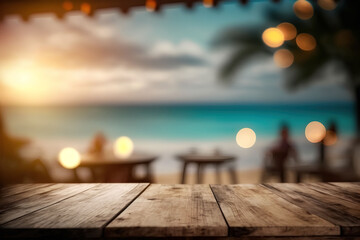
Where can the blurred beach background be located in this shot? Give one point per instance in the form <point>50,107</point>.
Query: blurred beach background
<point>154,77</point>
<point>168,130</point>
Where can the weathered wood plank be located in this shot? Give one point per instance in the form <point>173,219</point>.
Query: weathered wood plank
<point>82,215</point>
<point>13,207</point>
<point>337,191</point>
<point>351,187</point>
<point>334,209</point>
<point>14,189</point>
<point>252,210</point>
<point>7,202</point>
<point>170,211</point>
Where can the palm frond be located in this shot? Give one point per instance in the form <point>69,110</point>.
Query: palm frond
<point>237,60</point>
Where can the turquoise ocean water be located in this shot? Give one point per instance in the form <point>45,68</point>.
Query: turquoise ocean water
<point>166,130</point>
<point>173,122</point>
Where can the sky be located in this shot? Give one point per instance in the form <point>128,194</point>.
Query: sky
<point>143,58</point>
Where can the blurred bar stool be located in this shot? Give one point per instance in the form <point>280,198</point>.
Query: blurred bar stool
<point>202,160</point>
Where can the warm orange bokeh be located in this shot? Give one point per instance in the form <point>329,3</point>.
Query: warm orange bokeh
<point>327,4</point>
<point>85,8</point>
<point>283,58</point>
<point>303,9</point>
<point>68,6</point>
<point>151,5</point>
<point>208,3</point>
<point>306,42</point>
<point>273,37</point>
<point>288,30</point>
<point>315,132</point>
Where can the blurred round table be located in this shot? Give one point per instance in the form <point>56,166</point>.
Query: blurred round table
<point>109,168</point>
<point>202,160</point>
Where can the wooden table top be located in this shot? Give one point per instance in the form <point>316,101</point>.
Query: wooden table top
<point>201,158</point>
<point>243,211</point>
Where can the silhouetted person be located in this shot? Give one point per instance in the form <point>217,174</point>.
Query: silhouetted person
<point>97,145</point>
<point>277,156</point>
<point>13,167</point>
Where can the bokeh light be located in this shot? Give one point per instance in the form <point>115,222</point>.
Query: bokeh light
<point>315,132</point>
<point>288,30</point>
<point>306,42</point>
<point>69,158</point>
<point>283,58</point>
<point>273,37</point>
<point>123,147</point>
<point>68,5</point>
<point>246,138</point>
<point>303,9</point>
<point>327,4</point>
<point>151,5</point>
<point>330,138</point>
<point>85,8</point>
<point>208,3</point>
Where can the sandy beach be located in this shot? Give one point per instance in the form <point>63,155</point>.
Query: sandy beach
<point>251,176</point>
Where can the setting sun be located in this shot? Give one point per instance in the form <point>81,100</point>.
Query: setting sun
<point>18,77</point>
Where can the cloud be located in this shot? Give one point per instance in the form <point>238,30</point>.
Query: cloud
<point>83,60</point>
<point>68,45</point>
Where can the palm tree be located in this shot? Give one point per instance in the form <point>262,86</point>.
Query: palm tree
<point>337,34</point>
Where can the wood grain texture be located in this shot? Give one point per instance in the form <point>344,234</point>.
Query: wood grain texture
<point>14,189</point>
<point>333,208</point>
<point>252,210</point>
<point>82,215</point>
<point>170,211</point>
<point>353,187</point>
<point>337,191</point>
<point>18,205</point>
